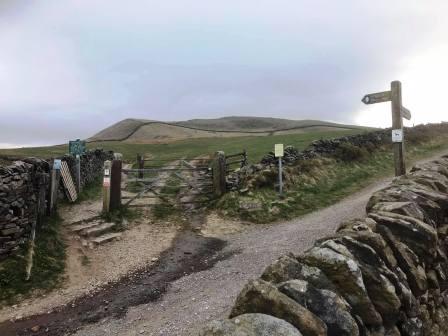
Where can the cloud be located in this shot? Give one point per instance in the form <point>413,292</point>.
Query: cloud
<point>69,69</point>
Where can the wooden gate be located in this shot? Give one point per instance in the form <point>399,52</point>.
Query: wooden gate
<point>176,182</point>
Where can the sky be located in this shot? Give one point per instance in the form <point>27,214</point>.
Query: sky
<point>70,68</point>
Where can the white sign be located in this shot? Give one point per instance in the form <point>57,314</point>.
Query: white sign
<point>106,182</point>
<point>106,172</point>
<point>57,164</point>
<point>278,150</point>
<point>397,135</point>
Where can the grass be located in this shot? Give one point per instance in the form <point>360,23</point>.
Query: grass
<point>167,205</point>
<point>321,183</point>
<point>91,191</point>
<point>120,217</point>
<point>257,146</point>
<point>48,264</point>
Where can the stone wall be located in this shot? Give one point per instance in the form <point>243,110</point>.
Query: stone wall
<point>385,274</point>
<point>24,183</point>
<point>19,185</point>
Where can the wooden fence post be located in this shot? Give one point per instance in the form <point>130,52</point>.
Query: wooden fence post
<point>244,162</point>
<point>54,186</point>
<point>219,173</point>
<point>115,185</point>
<point>78,173</point>
<point>106,186</point>
<point>397,124</point>
<point>140,165</point>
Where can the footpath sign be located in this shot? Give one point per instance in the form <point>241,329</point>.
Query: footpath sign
<point>398,113</point>
<point>76,147</point>
<point>279,153</point>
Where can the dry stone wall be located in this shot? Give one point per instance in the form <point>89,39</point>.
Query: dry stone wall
<point>386,274</point>
<point>368,142</point>
<point>25,184</point>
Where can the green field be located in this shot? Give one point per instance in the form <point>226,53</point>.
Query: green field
<point>256,147</point>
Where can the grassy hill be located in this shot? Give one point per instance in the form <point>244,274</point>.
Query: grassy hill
<point>147,131</point>
<point>257,146</point>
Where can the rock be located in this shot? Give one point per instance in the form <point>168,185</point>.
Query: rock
<point>419,236</point>
<point>402,194</point>
<point>366,224</point>
<point>381,283</point>
<point>327,305</point>
<point>372,239</point>
<point>250,205</point>
<point>430,167</point>
<point>283,269</point>
<point>287,268</point>
<point>344,272</point>
<point>250,325</point>
<point>36,328</point>
<point>261,297</point>
<point>402,208</point>
<point>407,261</point>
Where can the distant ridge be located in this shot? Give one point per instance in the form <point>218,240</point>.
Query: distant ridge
<point>150,131</point>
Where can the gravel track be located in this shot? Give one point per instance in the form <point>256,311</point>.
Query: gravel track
<point>197,298</point>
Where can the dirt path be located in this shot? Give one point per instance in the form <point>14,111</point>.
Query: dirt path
<point>199,297</point>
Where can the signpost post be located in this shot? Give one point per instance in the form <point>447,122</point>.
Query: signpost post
<point>398,113</point>
<point>279,152</point>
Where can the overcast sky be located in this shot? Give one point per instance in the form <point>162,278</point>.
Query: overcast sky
<point>71,68</point>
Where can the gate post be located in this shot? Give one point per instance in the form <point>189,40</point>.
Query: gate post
<point>106,186</point>
<point>219,173</point>
<point>115,185</point>
<point>54,186</point>
<point>78,173</point>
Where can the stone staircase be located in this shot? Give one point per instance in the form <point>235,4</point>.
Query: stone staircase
<point>94,231</point>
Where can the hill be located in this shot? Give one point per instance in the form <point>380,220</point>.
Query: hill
<point>147,131</point>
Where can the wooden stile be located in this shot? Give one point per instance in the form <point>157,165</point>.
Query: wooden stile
<point>68,182</point>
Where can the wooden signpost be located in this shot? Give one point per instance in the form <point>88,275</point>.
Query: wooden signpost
<point>106,186</point>
<point>398,113</point>
<point>279,152</point>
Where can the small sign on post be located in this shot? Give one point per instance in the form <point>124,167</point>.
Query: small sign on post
<point>279,153</point>
<point>397,135</point>
<point>76,147</point>
<point>398,113</point>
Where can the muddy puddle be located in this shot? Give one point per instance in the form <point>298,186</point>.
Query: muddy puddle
<point>189,253</point>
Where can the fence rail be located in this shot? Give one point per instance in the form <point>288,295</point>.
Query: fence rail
<point>238,160</point>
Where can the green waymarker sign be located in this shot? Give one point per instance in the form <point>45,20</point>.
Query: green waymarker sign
<point>76,147</point>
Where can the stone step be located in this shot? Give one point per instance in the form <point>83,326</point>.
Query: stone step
<point>81,227</point>
<point>104,238</point>
<point>97,230</point>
